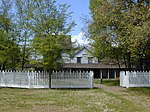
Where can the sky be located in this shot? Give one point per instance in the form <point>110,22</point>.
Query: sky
<point>79,8</point>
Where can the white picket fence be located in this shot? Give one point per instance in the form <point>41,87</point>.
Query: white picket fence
<point>46,80</point>
<point>24,79</point>
<point>134,79</point>
<point>72,80</point>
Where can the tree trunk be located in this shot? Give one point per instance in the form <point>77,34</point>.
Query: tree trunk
<point>129,61</point>
<point>3,66</point>
<point>24,53</point>
<point>125,62</point>
<point>118,63</point>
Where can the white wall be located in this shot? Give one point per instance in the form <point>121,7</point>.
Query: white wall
<point>66,58</point>
<point>84,60</point>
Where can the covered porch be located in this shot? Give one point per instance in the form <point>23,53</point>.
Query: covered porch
<point>101,71</point>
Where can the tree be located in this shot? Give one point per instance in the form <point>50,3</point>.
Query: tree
<point>49,23</point>
<point>126,23</point>
<point>23,11</point>
<point>9,50</point>
<point>23,23</point>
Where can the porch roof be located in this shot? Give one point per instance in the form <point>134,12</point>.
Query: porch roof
<point>92,65</point>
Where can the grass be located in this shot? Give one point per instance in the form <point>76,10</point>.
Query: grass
<point>110,82</point>
<point>96,81</point>
<point>135,90</point>
<point>141,91</point>
<point>64,100</point>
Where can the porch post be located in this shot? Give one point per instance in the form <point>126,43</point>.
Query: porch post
<point>101,76</point>
<point>115,73</point>
<point>108,73</point>
<point>100,71</point>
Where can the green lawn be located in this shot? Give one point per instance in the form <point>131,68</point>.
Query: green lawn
<point>64,100</point>
<point>111,82</point>
<point>107,82</point>
<point>140,91</point>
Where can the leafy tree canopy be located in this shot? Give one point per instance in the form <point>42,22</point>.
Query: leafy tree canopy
<point>125,24</point>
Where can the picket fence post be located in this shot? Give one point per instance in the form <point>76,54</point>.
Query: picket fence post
<point>127,79</point>
<point>29,84</point>
<point>91,78</point>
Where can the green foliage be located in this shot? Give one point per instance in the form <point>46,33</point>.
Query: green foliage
<point>49,23</point>
<point>33,28</point>
<point>49,49</point>
<point>9,50</point>
<point>102,45</point>
<point>126,24</point>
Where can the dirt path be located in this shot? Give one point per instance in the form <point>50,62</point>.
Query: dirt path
<point>139,100</point>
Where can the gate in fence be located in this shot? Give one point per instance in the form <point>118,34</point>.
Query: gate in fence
<point>46,79</point>
<point>134,79</point>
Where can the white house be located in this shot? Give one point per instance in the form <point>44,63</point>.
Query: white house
<point>82,60</point>
<point>81,57</point>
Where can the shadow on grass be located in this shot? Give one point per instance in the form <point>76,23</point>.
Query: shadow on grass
<point>68,89</point>
<point>76,89</point>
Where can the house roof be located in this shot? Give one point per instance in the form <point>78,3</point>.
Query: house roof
<point>79,51</point>
<point>92,65</point>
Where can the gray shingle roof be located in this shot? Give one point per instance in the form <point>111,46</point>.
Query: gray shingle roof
<point>96,65</point>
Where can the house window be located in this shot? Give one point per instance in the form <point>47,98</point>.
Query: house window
<point>78,59</point>
<point>90,59</point>
<point>84,55</point>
